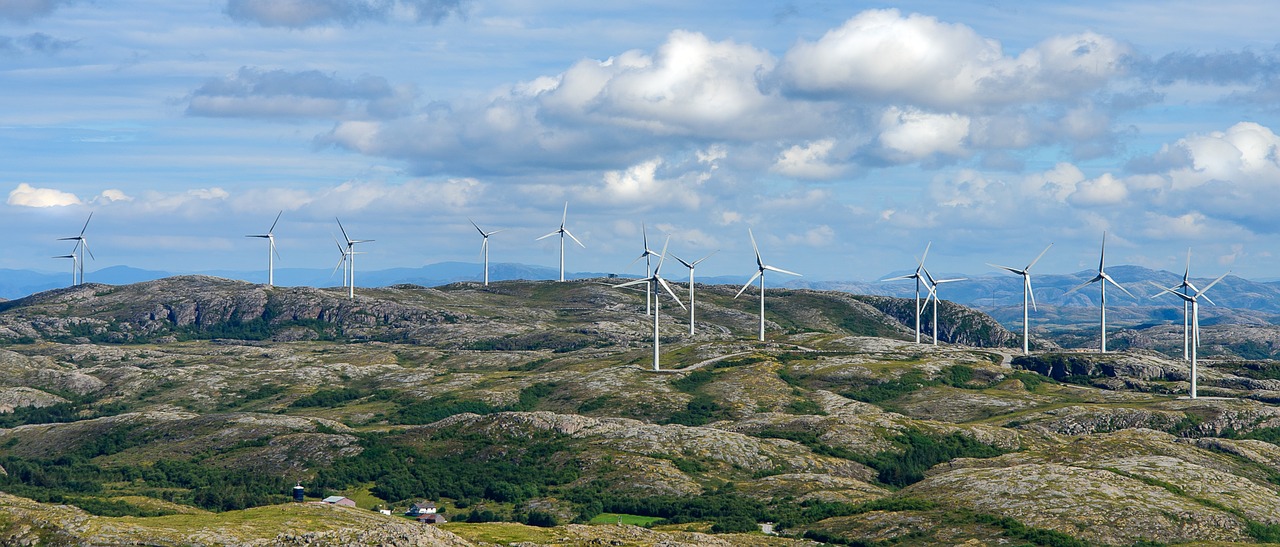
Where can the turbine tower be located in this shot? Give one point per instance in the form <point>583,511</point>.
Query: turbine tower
<point>1194,300</point>
<point>1027,293</point>
<point>692,266</point>
<point>351,257</point>
<point>933,293</point>
<point>918,276</point>
<point>74,260</point>
<point>1104,279</point>
<point>484,248</point>
<point>271,250</point>
<point>82,245</point>
<point>655,281</point>
<point>760,269</point>
<point>563,232</point>
<point>646,255</point>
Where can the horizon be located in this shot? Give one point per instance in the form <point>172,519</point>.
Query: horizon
<point>988,131</point>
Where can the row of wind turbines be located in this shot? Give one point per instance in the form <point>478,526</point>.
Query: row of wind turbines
<point>1185,291</point>
<point>655,284</point>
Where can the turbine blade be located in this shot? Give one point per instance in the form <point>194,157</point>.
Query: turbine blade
<point>682,261</point>
<point>662,256</point>
<point>754,247</point>
<point>1206,299</point>
<point>1026,278</point>
<point>1186,274</point>
<point>1162,288</point>
<point>1210,286</point>
<point>86,223</point>
<point>85,242</point>
<point>273,246</point>
<point>926,253</point>
<point>1011,270</point>
<point>749,282</point>
<point>1117,285</point>
<point>636,282</point>
<point>695,263</point>
<point>564,217</point>
<point>575,240</point>
<point>274,222</point>
<point>780,270</point>
<point>473,223</point>
<point>548,235</point>
<point>1082,285</point>
<point>1038,257</point>
<point>1102,258</point>
<point>344,230</point>
<point>664,284</point>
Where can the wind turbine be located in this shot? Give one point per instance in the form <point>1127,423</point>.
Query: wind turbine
<point>342,263</point>
<point>563,232</point>
<point>760,269</point>
<point>1027,293</point>
<point>350,257</point>
<point>74,260</point>
<point>82,245</point>
<point>484,248</point>
<point>1104,278</point>
<point>933,293</point>
<point>918,277</point>
<point>1185,286</point>
<point>271,250</point>
<point>646,256</point>
<point>1194,300</point>
<point>691,266</point>
<point>655,281</point>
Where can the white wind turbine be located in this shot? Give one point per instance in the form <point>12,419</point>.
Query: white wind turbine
<point>1104,278</point>
<point>563,232</point>
<point>1194,300</point>
<point>271,250</point>
<point>646,255</point>
<point>760,269</point>
<point>351,257</point>
<point>1186,286</point>
<point>1027,293</point>
<point>692,266</point>
<point>655,281</point>
<point>82,245</point>
<point>342,263</point>
<point>484,248</point>
<point>74,260</point>
<point>933,293</point>
<point>918,276</point>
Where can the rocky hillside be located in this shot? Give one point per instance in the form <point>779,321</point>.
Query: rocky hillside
<point>528,411</point>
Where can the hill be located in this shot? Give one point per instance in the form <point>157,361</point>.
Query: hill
<point>170,408</point>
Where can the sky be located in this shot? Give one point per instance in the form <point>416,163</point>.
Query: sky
<point>845,135</point>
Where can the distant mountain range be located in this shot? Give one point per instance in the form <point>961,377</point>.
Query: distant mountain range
<point>1236,299</point>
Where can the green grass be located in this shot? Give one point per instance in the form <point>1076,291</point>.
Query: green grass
<point>619,518</point>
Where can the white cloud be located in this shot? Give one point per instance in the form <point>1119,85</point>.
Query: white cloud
<point>914,134</point>
<point>881,54</point>
<point>819,236</point>
<point>112,195</point>
<point>808,161</point>
<point>26,195</point>
<point>1101,191</point>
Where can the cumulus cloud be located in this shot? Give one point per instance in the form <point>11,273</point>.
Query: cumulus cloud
<point>808,161</point>
<point>26,10</point>
<point>883,55</point>
<point>112,195</point>
<point>910,135</point>
<point>26,195</point>
<point>311,13</point>
<point>37,42</point>
<point>256,93</point>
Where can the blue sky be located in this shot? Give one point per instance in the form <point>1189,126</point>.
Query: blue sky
<point>846,134</point>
